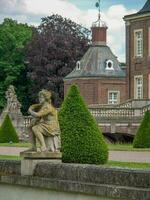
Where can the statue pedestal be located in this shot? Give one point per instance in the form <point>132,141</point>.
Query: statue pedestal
<point>31,159</point>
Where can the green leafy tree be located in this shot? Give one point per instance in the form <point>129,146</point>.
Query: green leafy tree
<point>82,140</point>
<point>8,132</point>
<point>13,38</point>
<point>142,137</point>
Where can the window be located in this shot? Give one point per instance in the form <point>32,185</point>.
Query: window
<point>78,65</point>
<point>138,43</point>
<point>109,65</point>
<point>113,97</point>
<point>138,87</point>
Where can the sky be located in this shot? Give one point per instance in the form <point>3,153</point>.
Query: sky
<point>80,11</point>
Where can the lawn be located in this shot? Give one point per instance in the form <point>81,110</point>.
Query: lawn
<point>112,147</point>
<point>7,157</point>
<point>125,147</point>
<point>21,144</point>
<point>130,165</point>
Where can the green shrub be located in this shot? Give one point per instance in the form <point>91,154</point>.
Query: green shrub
<point>142,137</point>
<point>82,140</point>
<point>8,132</point>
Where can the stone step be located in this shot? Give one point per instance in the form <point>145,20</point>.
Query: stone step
<point>102,190</point>
<point>94,174</point>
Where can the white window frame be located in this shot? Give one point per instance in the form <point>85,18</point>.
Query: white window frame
<point>107,65</point>
<point>138,43</point>
<point>137,87</point>
<point>114,102</point>
<point>78,67</point>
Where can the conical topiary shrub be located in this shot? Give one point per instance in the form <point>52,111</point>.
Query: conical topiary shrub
<point>8,132</point>
<point>142,137</point>
<point>81,138</point>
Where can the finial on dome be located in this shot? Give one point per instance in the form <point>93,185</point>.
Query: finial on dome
<point>99,22</point>
<point>99,9</point>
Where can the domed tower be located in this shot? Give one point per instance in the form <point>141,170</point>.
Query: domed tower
<point>98,74</point>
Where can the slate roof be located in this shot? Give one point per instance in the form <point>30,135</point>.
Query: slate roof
<point>93,64</point>
<point>146,8</point>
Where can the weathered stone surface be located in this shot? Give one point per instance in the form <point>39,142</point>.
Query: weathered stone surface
<point>103,190</point>
<point>32,158</point>
<point>28,165</point>
<point>122,184</point>
<point>13,109</point>
<point>94,174</point>
<point>41,155</point>
<point>9,167</point>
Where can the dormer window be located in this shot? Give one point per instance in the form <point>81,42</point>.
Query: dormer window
<point>109,65</point>
<point>78,67</point>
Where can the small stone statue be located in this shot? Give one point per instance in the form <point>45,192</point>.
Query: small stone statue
<point>44,126</point>
<point>13,104</point>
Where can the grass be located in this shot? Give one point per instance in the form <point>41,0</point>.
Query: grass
<point>112,147</point>
<point>130,165</point>
<point>9,157</point>
<point>134,165</point>
<point>125,147</point>
<point>21,144</point>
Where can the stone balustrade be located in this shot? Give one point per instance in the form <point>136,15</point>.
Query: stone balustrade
<point>129,109</point>
<point>116,112</point>
<point>123,118</point>
<point>27,121</point>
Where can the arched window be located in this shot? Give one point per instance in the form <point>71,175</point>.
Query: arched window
<point>109,65</point>
<point>78,67</point>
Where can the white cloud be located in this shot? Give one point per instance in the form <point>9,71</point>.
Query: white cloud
<point>116,32</point>
<point>12,6</point>
<point>32,10</point>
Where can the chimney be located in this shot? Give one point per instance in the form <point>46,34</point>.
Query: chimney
<point>99,35</point>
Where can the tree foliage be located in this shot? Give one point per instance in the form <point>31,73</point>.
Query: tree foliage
<point>81,138</point>
<point>8,132</point>
<point>142,137</point>
<point>13,38</point>
<point>56,47</point>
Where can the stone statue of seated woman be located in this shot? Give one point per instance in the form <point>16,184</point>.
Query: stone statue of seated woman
<point>44,126</point>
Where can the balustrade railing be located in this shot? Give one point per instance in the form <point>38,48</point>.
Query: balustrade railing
<point>128,109</point>
<point>122,111</point>
<point>116,112</point>
<point>27,121</point>
<point>145,108</point>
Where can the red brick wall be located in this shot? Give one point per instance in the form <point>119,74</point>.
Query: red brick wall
<point>95,91</point>
<point>113,85</point>
<point>99,34</point>
<point>137,66</point>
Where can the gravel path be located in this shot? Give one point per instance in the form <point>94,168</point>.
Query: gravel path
<point>126,156</point>
<point>15,151</point>
<point>130,156</point>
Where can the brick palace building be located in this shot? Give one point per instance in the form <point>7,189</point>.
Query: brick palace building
<point>99,75</point>
<point>116,98</point>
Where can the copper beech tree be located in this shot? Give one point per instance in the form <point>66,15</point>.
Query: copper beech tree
<point>53,52</point>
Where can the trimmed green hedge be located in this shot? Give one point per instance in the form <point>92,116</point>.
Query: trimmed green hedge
<point>81,138</point>
<point>8,132</point>
<point>142,138</point>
